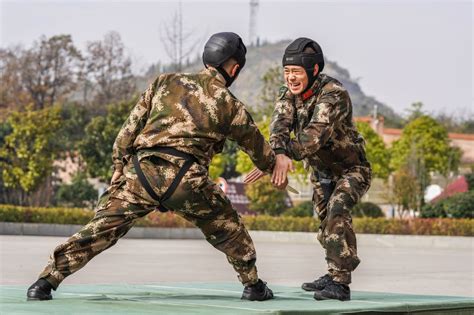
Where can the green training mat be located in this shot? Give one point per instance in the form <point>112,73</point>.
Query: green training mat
<point>218,298</point>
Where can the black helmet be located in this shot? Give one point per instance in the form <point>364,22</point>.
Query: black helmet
<point>295,55</point>
<point>222,46</point>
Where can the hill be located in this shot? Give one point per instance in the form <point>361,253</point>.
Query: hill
<point>259,59</point>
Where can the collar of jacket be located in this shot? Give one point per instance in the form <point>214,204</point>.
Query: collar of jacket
<point>215,74</point>
<point>313,89</point>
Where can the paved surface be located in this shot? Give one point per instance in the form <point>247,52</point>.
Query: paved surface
<point>403,269</point>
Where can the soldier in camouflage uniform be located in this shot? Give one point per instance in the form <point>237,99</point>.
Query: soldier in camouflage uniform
<point>161,158</point>
<point>318,110</point>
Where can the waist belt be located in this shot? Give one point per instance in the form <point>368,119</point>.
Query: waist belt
<point>189,160</point>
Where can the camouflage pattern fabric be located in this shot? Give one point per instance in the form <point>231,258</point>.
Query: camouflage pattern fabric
<point>194,114</point>
<point>327,140</point>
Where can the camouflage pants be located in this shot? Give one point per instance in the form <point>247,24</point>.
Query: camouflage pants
<point>197,199</point>
<point>336,234</point>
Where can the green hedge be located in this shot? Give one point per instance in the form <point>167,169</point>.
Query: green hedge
<point>457,206</point>
<point>431,226</point>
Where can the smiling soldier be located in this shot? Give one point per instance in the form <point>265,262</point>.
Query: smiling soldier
<point>318,110</point>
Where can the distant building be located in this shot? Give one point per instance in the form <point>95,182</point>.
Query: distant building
<point>235,191</point>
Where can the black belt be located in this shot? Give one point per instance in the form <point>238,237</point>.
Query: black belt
<point>189,160</point>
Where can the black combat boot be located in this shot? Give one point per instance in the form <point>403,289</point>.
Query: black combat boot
<point>317,285</point>
<point>334,291</point>
<point>39,291</point>
<point>257,292</point>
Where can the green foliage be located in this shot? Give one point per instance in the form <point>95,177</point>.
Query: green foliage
<point>96,147</point>
<point>217,166</point>
<point>367,209</point>
<point>424,142</point>
<point>377,154</point>
<point>225,164</point>
<point>423,148</point>
<point>457,206</point>
<point>28,152</point>
<point>405,191</point>
<point>282,223</point>
<point>452,227</point>
<point>10,213</point>
<point>304,209</point>
<point>244,163</point>
<point>80,193</point>
<point>264,198</point>
<point>470,181</point>
<point>75,118</point>
<point>448,227</point>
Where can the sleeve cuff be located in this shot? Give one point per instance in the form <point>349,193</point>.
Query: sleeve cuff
<point>280,151</point>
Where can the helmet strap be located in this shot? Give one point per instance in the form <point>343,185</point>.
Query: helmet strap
<point>228,79</point>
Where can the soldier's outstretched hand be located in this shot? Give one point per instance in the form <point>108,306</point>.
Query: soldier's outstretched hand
<point>253,176</point>
<point>283,165</point>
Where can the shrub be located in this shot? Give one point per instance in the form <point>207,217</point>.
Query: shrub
<point>417,226</point>
<point>304,209</point>
<point>457,206</point>
<point>367,209</point>
<point>80,193</point>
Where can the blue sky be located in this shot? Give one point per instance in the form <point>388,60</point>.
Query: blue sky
<point>401,51</point>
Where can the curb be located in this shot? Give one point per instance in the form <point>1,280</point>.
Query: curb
<point>369,240</point>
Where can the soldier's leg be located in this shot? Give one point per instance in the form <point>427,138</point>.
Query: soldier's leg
<point>113,219</point>
<point>338,235</point>
<point>202,202</point>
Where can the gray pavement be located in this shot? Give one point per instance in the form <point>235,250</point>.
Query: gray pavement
<point>407,268</point>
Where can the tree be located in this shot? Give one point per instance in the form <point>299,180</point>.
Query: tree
<point>174,37</point>
<point>28,152</point>
<point>96,147</point>
<point>377,154</point>
<point>13,95</point>
<point>264,198</point>
<point>217,166</point>
<point>109,75</point>
<point>272,81</point>
<point>80,193</point>
<point>423,148</point>
<point>406,191</point>
<point>50,70</point>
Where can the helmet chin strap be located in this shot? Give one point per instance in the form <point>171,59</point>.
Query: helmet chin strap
<point>311,79</point>
<point>228,79</point>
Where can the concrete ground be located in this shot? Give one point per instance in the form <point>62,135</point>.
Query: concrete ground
<point>396,269</point>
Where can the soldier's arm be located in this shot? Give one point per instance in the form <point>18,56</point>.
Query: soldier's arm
<point>281,124</point>
<point>123,145</point>
<point>247,135</point>
<point>331,109</point>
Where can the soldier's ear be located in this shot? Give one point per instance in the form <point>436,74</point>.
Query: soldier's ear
<point>234,69</point>
<point>316,69</point>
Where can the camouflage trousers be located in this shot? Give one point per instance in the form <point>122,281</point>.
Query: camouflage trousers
<point>197,199</point>
<point>335,233</point>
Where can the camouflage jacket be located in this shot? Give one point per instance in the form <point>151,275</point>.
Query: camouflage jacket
<point>321,120</point>
<point>193,113</point>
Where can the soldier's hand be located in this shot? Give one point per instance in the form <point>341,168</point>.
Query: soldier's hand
<point>283,165</point>
<point>253,176</point>
<point>115,176</point>
<point>283,185</point>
